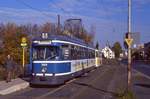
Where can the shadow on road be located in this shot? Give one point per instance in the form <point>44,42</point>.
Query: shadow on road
<point>45,86</point>
<point>143,85</point>
<point>101,90</point>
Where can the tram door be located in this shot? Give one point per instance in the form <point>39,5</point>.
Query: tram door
<point>97,58</point>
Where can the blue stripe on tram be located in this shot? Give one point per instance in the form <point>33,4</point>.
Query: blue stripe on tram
<point>53,67</point>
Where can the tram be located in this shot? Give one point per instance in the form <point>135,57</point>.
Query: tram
<point>57,59</point>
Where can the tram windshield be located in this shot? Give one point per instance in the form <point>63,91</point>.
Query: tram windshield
<point>45,53</point>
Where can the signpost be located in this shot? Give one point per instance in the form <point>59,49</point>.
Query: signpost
<point>24,45</point>
<point>129,41</point>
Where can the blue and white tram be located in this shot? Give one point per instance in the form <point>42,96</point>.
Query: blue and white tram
<point>57,59</point>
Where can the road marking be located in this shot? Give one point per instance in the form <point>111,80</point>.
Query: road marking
<point>141,73</point>
<point>55,90</point>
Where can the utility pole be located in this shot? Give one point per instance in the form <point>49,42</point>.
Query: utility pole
<point>129,46</point>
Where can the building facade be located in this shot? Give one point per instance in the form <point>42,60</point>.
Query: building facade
<point>108,53</point>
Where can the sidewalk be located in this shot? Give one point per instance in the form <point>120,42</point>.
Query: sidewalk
<point>13,86</point>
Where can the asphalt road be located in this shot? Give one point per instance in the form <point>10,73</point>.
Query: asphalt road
<point>93,85</point>
<point>142,67</point>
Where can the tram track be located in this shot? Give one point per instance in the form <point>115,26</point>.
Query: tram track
<point>55,90</point>
<point>72,87</point>
<point>68,90</point>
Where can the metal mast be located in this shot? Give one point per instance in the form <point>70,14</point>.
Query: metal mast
<point>129,47</point>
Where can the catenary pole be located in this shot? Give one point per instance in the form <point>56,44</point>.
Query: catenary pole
<point>129,46</point>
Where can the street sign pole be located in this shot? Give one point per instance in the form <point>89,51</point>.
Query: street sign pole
<point>23,44</point>
<point>23,57</point>
<point>129,46</point>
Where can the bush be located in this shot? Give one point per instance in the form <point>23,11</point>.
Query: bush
<point>2,73</point>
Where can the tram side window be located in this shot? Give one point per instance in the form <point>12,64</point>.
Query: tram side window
<point>34,54</point>
<point>79,53</point>
<point>75,52</point>
<point>84,53</point>
<point>72,53</point>
<point>91,54</point>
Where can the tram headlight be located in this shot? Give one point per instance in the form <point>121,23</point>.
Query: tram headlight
<point>44,69</point>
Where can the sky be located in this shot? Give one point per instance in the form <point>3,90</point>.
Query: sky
<point>108,17</point>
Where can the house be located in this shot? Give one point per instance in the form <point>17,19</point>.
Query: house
<point>108,53</point>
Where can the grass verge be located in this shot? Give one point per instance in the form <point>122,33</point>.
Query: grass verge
<point>126,95</point>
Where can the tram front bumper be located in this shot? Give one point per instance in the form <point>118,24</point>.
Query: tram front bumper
<point>49,80</point>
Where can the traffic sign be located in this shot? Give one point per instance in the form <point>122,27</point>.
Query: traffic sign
<point>129,41</point>
<point>23,44</point>
<point>23,40</point>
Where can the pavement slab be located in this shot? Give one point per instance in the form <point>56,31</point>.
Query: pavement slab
<point>13,86</point>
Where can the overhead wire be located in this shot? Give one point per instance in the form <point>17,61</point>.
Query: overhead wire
<point>107,13</point>
<point>33,8</point>
<point>62,9</point>
<point>106,10</point>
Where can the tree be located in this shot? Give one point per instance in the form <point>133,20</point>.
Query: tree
<point>12,40</point>
<point>11,34</point>
<point>97,45</point>
<point>46,27</point>
<point>117,49</point>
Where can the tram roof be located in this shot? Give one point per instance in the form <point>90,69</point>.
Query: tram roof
<point>65,38</point>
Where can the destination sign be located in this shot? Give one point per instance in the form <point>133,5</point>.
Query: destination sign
<point>43,42</point>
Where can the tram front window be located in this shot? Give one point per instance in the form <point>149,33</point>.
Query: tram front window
<point>45,53</point>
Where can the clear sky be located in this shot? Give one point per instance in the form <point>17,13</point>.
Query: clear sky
<point>109,17</point>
